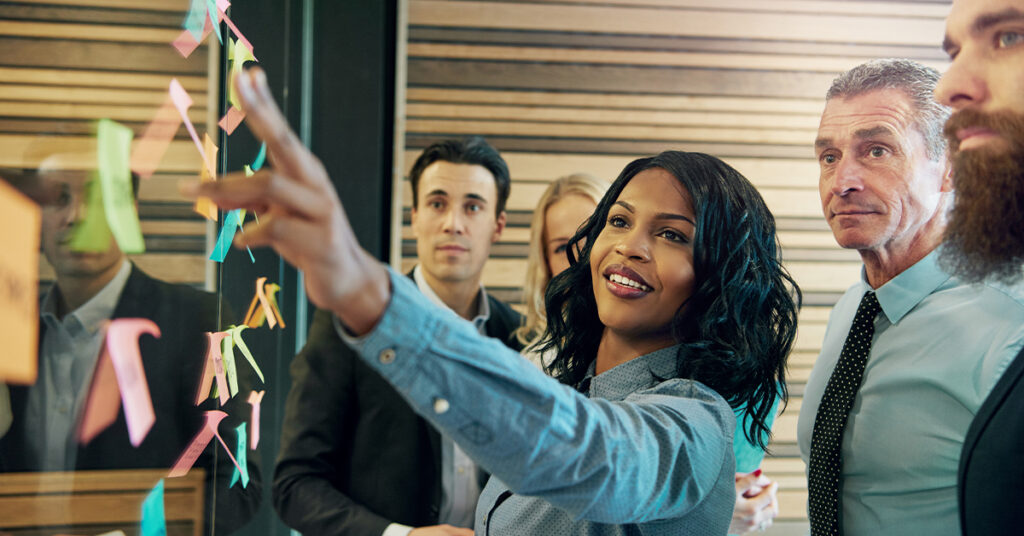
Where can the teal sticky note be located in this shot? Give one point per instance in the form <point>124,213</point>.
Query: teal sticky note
<point>258,163</point>
<point>91,233</point>
<point>114,153</point>
<point>196,19</point>
<point>240,455</point>
<point>153,521</point>
<point>227,233</point>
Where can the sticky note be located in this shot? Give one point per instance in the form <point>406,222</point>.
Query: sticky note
<point>114,146</point>
<point>255,317</point>
<point>92,233</point>
<point>203,205</point>
<point>227,352</point>
<point>236,338</point>
<point>240,455</point>
<point>213,368</point>
<point>19,286</point>
<point>186,43</point>
<point>227,233</point>
<point>103,402</point>
<point>153,521</point>
<point>222,7</point>
<point>182,102</point>
<point>231,120</point>
<point>255,398</point>
<point>199,443</point>
<point>155,140</point>
<point>123,346</point>
<point>271,291</point>
<point>237,55</point>
<point>196,19</point>
<point>257,164</point>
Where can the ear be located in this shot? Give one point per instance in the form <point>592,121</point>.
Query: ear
<point>947,177</point>
<point>415,233</point>
<point>499,226</point>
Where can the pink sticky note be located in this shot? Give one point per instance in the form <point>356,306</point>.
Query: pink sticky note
<point>231,120</point>
<point>234,29</point>
<point>214,367</point>
<point>156,139</point>
<point>104,398</point>
<point>199,443</point>
<point>182,102</point>
<point>255,398</point>
<point>123,346</point>
<point>186,42</point>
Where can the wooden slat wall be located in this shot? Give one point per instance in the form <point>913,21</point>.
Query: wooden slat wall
<point>587,85</point>
<point>67,63</point>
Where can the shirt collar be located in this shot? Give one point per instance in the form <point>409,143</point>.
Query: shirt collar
<point>91,314</point>
<point>483,312</point>
<point>639,373</point>
<point>902,293</point>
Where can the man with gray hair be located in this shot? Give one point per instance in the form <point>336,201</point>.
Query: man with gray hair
<point>910,352</point>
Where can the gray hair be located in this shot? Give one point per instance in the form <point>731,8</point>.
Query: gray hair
<point>915,80</point>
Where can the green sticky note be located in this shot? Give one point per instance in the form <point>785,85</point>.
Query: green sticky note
<point>236,337</point>
<point>227,355</point>
<point>92,233</point>
<point>114,150</point>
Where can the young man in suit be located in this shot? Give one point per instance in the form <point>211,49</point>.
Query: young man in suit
<point>355,459</point>
<point>90,289</point>
<point>985,239</point>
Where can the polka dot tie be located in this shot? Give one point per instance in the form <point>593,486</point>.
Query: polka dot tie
<point>825,463</point>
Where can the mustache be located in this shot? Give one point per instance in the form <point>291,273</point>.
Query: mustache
<point>1006,124</point>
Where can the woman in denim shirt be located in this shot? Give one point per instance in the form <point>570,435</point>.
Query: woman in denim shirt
<point>676,309</point>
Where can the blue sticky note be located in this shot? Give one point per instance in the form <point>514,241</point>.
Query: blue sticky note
<point>153,521</point>
<point>196,19</point>
<point>211,10</point>
<point>240,456</point>
<point>258,163</point>
<point>227,234</point>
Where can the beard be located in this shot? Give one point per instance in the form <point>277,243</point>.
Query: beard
<point>985,235</point>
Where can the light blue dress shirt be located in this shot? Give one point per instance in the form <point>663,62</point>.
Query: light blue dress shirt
<point>939,347</point>
<point>635,450</point>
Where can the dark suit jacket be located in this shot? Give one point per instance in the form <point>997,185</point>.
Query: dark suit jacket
<point>354,456</point>
<point>173,364</point>
<point>991,471</point>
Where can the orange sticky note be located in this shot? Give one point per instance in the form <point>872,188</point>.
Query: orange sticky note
<point>255,317</point>
<point>203,205</point>
<point>19,286</point>
<point>150,149</point>
<point>198,445</point>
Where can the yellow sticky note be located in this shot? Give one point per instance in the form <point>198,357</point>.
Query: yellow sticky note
<point>92,233</point>
<point>19,286</point>
<point>203,205</point>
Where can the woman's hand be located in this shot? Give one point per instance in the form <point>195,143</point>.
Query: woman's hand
<point>756,504</point>
<point>301,216</point>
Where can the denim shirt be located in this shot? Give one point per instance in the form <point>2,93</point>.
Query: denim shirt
<point>652,455</point>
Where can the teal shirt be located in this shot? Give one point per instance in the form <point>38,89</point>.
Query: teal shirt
<point>748,455</point>
<point>939,347</point>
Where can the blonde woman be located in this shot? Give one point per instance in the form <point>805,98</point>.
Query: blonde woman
<point>563,207</point>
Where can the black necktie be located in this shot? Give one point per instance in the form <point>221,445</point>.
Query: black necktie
<point>827,439</point>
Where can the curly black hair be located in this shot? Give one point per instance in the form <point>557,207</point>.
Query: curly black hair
<point>738,326</point>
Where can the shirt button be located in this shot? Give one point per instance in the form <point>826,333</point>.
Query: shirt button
<point>441,406</point>
<point>387,357</point>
